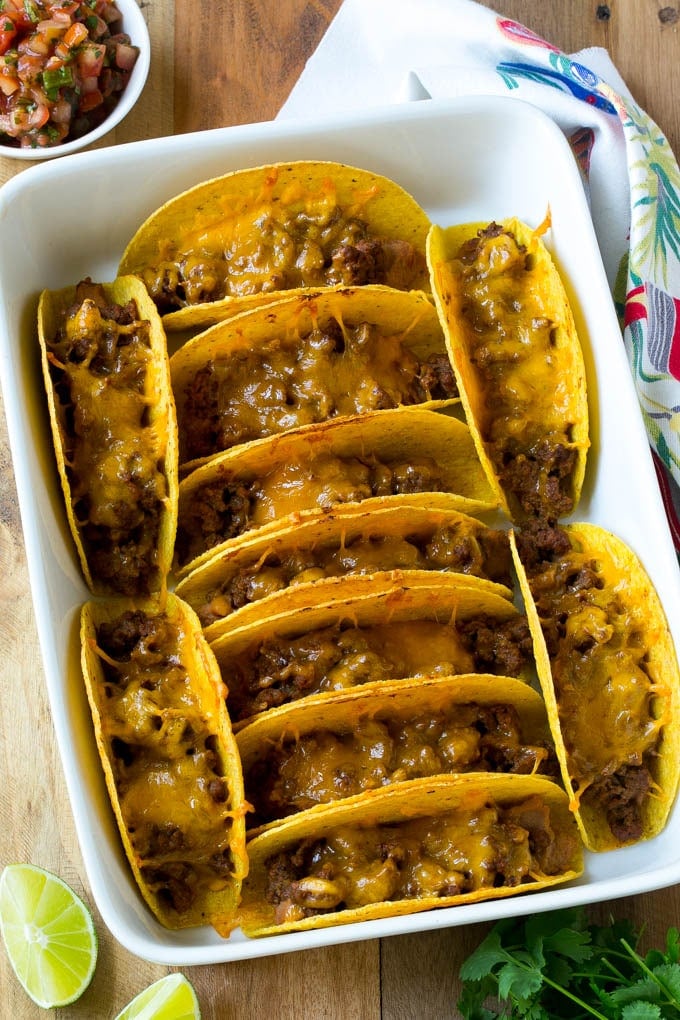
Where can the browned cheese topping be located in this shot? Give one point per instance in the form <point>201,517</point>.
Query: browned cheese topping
<point>271,249</point>
<point>605,693</point>
<point>226,508</point>
<point>486,847</point>
<point>327,765</point>
<point>484,552</point>
<point>279,670</point>
<point>337,370</point>
<point>525,421</point>
<point>168,771</point>
<point>99,363</point>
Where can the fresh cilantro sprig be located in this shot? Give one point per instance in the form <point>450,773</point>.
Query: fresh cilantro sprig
<point>557,966</point>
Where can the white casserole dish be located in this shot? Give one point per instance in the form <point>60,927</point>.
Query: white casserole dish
<point>468,159</point>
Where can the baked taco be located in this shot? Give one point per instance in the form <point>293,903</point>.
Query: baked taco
<point>390,632</point>
<point>609,672</point>
<point>305,359</point>
<point>106,373</point>
<point>518,361</point>
<point>418,845</point>
<point>250,235</point>
<point>364,462</point>
<point>169,757</point>
<point>332,746</point>
<point>249,580</point>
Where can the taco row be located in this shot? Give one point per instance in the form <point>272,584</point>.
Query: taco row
<point>318,466</point>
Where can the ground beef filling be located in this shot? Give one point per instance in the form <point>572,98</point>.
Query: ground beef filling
<point>481,552</point>
<point>458,852</point>
<point>605,695</point>
<point>228,507</point>
<point>274,253</point>
<point>280,670</point>
<point>328,765</point>
<point>167,768</point>
<point>525,426</point>
<point>334,371</point>
<point>100,362</point>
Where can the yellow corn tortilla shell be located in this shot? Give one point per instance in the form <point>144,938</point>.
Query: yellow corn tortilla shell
<point>396,435</point>
<point>203,219</point>
<point>213,905</point>
<point>554,386</point>
<point>405,319</point>
<point>627,581</point>
<point>161,422</point>
<point>334,530</point>
<point>385,601</point>
<point>340,712</point>
<point>402,802</point>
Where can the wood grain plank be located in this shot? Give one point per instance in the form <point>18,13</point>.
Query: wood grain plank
<point>250,54</point>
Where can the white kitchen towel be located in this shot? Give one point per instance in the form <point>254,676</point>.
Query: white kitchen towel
<point>378,52</point>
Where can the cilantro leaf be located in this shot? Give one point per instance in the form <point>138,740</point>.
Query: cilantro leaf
<point>485,957</point>
<point>557,966</point>
<point>642,1011</point>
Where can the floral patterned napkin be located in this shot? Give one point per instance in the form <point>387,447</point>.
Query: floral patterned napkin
<point>395,50</point>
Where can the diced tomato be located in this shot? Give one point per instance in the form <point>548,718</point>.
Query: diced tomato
<point>90,59</point>
<point>90,101</point>
<point>56,55</point>
<point>126,56</point>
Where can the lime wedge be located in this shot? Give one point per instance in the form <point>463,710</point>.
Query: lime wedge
<point>48,933</point>
<point>171,998</point>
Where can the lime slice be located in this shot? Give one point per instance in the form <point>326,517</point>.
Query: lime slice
<point>171,998</point>
<point>49,935</point>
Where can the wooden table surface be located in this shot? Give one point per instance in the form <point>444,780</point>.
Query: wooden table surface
<point>238,65</point>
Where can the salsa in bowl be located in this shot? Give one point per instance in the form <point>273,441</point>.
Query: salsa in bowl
<point>70,70</point>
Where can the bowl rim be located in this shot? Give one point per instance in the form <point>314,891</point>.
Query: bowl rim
<point>136,27</point>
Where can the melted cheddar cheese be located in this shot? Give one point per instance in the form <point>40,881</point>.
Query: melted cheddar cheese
<point>268,240</point>
<point>464,546</point>
<point>283,669</point>
<point>611,710</point>
<point>300,379</point>
<point>167,764</point>
<point>460,851</point>
<point>329,764</point>
<point>104,380</point>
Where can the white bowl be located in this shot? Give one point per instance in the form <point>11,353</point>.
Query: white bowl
<point>134,25</point>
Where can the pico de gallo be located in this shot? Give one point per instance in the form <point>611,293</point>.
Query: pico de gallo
<point>63,67</point>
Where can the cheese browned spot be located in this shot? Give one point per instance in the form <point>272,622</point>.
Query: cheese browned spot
<point>101,366</point>
<point>168,769</point>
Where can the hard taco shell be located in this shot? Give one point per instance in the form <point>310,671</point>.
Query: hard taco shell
<point>390,436</point>
<point>172,798</point>
<point>149,433</point>
<point>395,705</point>
<point>612,692</point>
<point>226,214</point>
<point>544,367</point>
<point>459,797</point>
<point>266,347</point>
<point>335,531</point>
